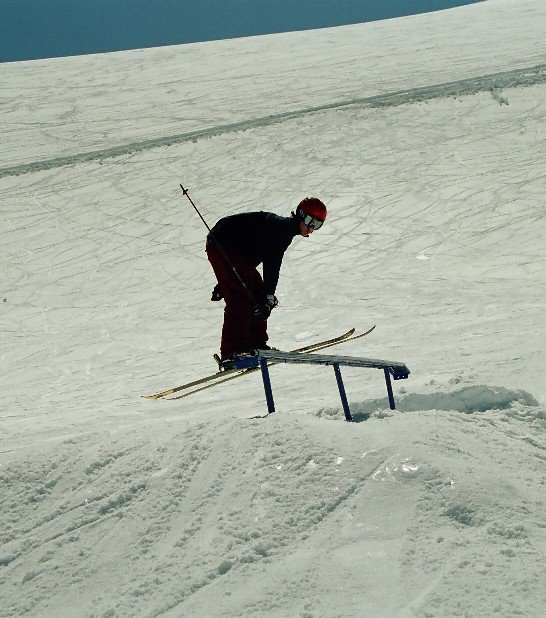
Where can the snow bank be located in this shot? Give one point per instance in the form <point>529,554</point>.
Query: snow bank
<point>469,399</point>
<point>416,512</point>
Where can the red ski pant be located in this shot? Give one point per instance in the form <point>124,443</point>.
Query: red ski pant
<point>241,331</point>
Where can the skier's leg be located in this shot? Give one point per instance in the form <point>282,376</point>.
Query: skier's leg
<point>238,312</point>
<point>258,329</point>
<point>258,335</point>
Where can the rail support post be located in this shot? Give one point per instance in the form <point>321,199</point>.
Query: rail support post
<point>267,386</point>
<point>389,387</point>
<point>342,393</point>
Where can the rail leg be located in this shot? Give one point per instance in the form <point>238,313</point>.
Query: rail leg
<point>389,387</point>
<point>342,393</point>
<point>267,386</point>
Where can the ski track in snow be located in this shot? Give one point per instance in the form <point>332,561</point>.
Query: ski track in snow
<point>493,83</point>
<point>111,505</point>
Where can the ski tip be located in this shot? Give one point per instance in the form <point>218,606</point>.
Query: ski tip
<point>156,395</point>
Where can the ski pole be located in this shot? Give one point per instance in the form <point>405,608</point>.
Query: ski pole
<point>185,192</point>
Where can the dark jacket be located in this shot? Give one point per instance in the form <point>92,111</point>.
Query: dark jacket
<point>260,237</point>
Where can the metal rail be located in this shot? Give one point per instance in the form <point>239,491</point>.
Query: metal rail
<point>398,370</point>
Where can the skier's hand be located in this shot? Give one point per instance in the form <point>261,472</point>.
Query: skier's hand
<point>217,293</point>
<point>263,311</point>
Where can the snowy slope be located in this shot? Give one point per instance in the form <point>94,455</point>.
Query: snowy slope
<point>85,103</point>
<point>111,505</point>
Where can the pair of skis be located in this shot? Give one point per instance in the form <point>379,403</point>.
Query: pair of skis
<point>225,376</point>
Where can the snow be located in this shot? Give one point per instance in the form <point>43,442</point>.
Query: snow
<point>112,505</point>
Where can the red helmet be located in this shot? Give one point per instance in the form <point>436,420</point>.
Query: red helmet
<point>311,206</point>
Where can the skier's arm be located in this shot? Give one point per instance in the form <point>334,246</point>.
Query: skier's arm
<point>272,267</point>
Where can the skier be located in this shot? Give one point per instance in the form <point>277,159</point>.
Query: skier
<point>236,245</point>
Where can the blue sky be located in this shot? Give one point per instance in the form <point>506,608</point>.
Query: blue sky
<point>31,29</point>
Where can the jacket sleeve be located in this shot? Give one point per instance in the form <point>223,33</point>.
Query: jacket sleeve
<point>272,267</point>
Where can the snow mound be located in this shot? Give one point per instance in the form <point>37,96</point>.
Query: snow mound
<point>470,400</point>
<point>212,519</point>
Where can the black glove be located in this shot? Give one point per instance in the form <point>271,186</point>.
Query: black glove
<point>216,293</point>
<point>263,310</point>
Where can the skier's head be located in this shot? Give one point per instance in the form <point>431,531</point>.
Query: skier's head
<point>311,214</point>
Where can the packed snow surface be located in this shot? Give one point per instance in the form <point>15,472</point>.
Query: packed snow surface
<point>425,136</point>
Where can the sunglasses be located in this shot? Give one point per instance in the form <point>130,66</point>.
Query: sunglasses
<point>312,222</point>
